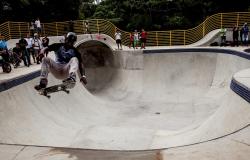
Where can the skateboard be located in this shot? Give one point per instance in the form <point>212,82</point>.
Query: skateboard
<point>56,88</point>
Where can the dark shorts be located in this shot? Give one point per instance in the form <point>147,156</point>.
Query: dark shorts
<point>118,41</point>
<point>143,40</point>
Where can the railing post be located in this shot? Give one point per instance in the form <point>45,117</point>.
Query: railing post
<point>170,38</point>
<point>221,20</point>
<point>203,29</point>
<point>9,29</point>
<point>238,16</point>
<point>28,28</point>
<point>156,36</point>
<point>184,37</point>
<point>43,29</point>
<point>56,30</point>
<point>83,27</point>
<point>97,25</point>
<point>19,28</point>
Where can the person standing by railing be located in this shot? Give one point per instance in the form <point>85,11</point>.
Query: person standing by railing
<point>143,39</point>
<point>37,46</point>
<point>245,32</point>
<point>236,36</point>
<point>38,25</point>
<point>32,28</point>
<point>131,40</point>
<point>118,38</point>
<point>87,30</point>
<point>136,39</point>
<point>223,32</point>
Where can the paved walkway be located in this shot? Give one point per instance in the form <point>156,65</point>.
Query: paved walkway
<point>20,71</point>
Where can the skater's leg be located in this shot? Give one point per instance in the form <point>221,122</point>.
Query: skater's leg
<point>71,68</point>
<point>49,65</point>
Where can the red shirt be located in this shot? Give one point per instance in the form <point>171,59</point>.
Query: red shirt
<point>143,34</point>
<point>131,37</point>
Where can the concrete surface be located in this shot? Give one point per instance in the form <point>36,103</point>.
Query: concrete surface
<point>178,104</point>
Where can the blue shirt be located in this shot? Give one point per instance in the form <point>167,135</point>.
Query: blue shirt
<point>63,54</point>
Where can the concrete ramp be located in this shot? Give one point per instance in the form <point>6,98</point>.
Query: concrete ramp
<point>133,101</point>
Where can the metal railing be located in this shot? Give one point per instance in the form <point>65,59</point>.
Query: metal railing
<point>13,30</point>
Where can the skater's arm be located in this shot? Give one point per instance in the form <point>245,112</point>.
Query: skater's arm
<point>53,47</point>
<point>81,68</point>
<point>81,65</point>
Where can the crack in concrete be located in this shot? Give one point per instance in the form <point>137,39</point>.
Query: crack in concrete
<point>18,153</point>
<point>241,142</point>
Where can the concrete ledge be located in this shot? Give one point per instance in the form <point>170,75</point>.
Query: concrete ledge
<point>240,89</point>
<point>240,84</point>
<point>212,50</point>
<point>5,85</point>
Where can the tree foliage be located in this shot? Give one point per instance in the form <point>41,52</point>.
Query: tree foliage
<point>126,14</point>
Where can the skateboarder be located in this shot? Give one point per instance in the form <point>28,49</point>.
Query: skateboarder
<point>68,61</point>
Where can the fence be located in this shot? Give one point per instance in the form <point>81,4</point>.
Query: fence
<point>12,30</point>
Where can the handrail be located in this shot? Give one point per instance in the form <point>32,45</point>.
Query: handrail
<point>13,30</point>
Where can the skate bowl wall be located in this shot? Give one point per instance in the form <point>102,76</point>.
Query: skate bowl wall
<point>150,99</point>
<point>97,56</point>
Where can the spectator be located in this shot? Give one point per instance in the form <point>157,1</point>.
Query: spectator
<point>241,35</point>
<point>37,46</point>
<point>32,28</point>
<point>131,40</point>
<point>236,36</point>
<point>25,54</point>
<point>38,26</point>
<point>87,30</point>
<point>118,39</point>
<point>245,32</point>
<point>29,47</point>
<point>223,32</point>
<point>17,55</point>
<point>4,54</point>
<point>136,39</point>
<point>3,43</point>
<point>86,23</point>
<point>45,43</point>
<point>71,26</point>
<point>143,39</point>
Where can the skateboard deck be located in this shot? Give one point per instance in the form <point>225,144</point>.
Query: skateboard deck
<point>56,88</point>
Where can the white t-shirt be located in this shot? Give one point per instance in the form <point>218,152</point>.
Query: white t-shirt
<point>38,24</point>
<point>136,37</point>
<point>29,41</point>
<point>37,43</point>
<point>118,35</point>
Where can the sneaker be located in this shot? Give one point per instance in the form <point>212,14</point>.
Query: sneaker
<point>70,81</point>
<point>43,84</point>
